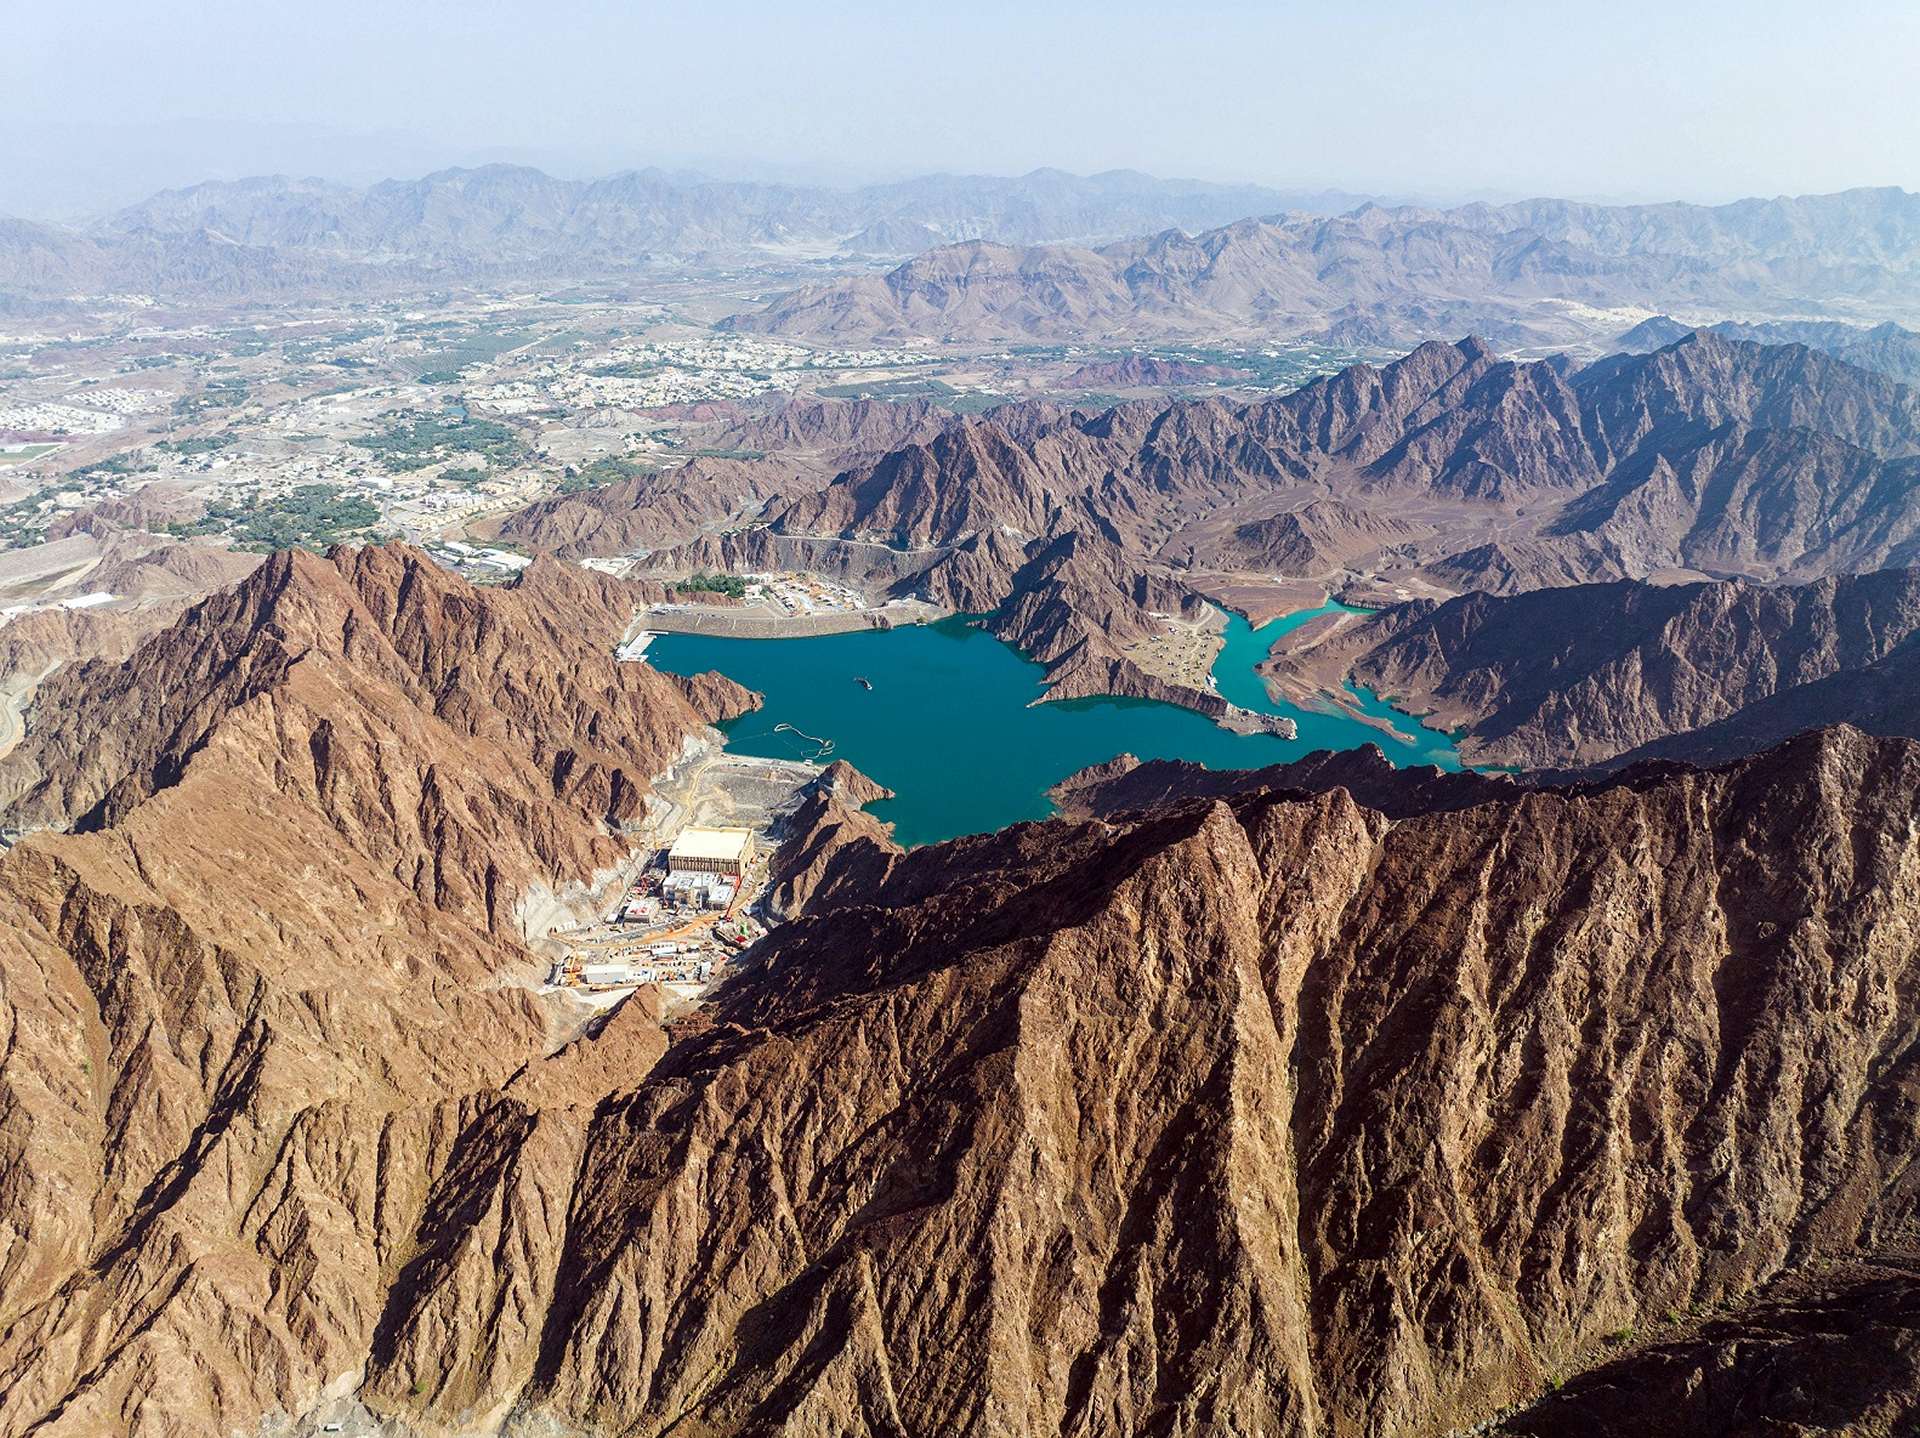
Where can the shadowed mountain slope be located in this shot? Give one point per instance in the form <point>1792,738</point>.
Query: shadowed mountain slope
<point>1263,1112</point>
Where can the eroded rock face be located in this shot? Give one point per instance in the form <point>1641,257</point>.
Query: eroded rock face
<point>1608,674</point>
<point>1254,1111</point>
<point>831,848</point>
<point>1449,469</point>
<point>1319,537</point>
<point>1833,1350</point>
<point>311,666</point>
<point>655,511</point>
<point>1326,1124</point>
<point>262,1066</point>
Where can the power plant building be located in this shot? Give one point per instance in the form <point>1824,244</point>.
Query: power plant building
<point>711,851</point>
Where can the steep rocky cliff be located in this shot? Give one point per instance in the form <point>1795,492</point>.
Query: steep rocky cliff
<point>1254,1112</point>
<point>263,1020</point>
<point>1450,469</point>
<point>1321,536</point>
<point>1889,349</point>
<point>832,848</point>
<point>654,511</point>
<point>1269,1115</point>
<point>1586,674</point>
<point>1773,462</point>
<point>329,657</point>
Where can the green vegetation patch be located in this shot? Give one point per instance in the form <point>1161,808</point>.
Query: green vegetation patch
<point>421,442</point>
<point>601,473</point>
<point>311,516</point>
<point>200,444</point>
<point>225,393</point>
<point>892,389</point>
<point>325,349</point>
<point>728,453</point>
<point>24,521</point>
<point>937,390</point>
<point>27,452</point>
<point>480,347</point>
<point>731,584</point>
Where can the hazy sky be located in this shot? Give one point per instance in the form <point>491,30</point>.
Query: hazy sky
<point>108,99</point>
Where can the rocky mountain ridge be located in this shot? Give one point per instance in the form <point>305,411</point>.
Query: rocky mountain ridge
<point>271,235</point>
<point>1381,276</point>
<point>1890,349</point>
<point>259,996</point>
<point>1449,469</point>
<point>1608,674</point>
<point>1256,1109</point>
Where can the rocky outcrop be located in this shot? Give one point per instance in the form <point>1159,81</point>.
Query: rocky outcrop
<point>653,511</point>
<point>968,480</point>
<point>850,786</point>
<point>1611,673</point>
<point>1361,1103</point>
<point>1321,536</point>
<point>1882,698</point>
<point>34,644</point>
<point>839,430</point>
<point>308,673</point>
<point>270,1066</point>
<point>1149,372</point>
<point>1252,1110</point>
<point>1448,469</point>
<point>1830,1351</point>
<point>1889,349</point>
<point>1125,784</point>
<point>1714,455</point>
<point>831,849</point>
<point>151,508</point>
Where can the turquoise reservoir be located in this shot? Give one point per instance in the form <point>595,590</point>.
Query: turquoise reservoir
<point>951,727</point>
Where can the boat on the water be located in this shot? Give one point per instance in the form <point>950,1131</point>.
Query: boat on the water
<point>863,683</point>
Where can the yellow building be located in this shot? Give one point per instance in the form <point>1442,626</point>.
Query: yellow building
<point>711,851</point>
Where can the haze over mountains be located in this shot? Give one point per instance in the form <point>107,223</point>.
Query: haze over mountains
<point>1515,273</point>
<point>275,234</point>
<point>363,1071</point>
<point>1891,349</point>
<point>1046,255</point>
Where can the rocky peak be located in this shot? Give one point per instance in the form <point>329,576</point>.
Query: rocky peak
<point>378,657</point>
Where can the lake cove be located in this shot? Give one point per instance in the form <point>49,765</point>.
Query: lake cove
<point>950,724</point>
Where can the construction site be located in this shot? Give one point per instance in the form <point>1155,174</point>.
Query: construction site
<point>687,912</point>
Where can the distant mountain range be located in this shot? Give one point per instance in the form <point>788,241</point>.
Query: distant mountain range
<point>1889,348</point>
<point>1047,255</point>
<point>1529,273</point>
<point>274,233</point>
